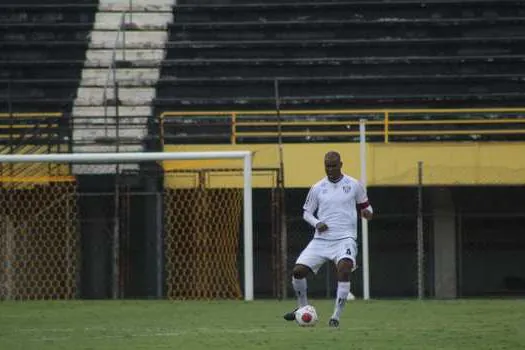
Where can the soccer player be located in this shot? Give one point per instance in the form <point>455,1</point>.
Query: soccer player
<point>336,199</point>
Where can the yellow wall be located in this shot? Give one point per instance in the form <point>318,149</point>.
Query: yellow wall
<point>388,164</point>
<point>448,163</point>
<point>265,156</point>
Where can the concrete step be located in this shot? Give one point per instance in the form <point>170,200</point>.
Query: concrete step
<point>142,20</point>
<point>124,76</point>
<point>104,57</point>
<point>138,96</point>
<point>98,111</point>
<point>136,5</point>
<point>97,122</point>
<point>146,39</point>
<point>94,133</point>
<point>124,122</point>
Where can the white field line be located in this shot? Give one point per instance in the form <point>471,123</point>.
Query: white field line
<point>68,333</point>
<point>127,333</point>
<point>46,330</point>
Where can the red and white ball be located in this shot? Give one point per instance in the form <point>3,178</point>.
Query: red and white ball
<point>306,316</point>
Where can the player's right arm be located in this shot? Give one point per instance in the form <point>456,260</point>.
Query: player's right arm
<point>309,207</point>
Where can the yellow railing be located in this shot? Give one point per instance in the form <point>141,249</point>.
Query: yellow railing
<point>5,117</point>
<point>13,127</point>
<point>381,123</point>
<point>31,115</point>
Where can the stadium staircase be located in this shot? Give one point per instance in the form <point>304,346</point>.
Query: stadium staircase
<point>132,49</point>
<point>225,54</point>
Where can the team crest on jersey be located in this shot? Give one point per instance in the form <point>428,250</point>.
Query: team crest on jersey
<point>347,189</point>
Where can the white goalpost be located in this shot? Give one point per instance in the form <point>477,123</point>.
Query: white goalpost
<point>245,156</point>
<point>364,222</point>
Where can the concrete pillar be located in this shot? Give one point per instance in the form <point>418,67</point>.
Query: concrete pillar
<point>445,253</point>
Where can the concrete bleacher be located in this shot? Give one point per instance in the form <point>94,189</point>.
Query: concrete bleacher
<point>355,54</point>
<point>42,52</point>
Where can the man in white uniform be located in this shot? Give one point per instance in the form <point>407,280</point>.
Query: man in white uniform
<point>336,199</point>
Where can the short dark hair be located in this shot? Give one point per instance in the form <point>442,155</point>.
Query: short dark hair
<point>332,154</point>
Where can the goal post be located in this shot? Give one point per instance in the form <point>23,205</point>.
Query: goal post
<point>364,222</point>
<point>138,157</point>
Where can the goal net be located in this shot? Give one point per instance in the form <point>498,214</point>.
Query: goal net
<point>122,225</point>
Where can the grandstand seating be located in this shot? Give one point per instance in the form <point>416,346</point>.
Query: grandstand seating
<point>225,54</point>
<point>42,52</point>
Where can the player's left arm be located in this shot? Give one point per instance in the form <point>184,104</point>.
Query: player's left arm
<point>363,203</point>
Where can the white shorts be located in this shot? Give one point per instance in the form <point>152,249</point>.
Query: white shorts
<point>319,251</point>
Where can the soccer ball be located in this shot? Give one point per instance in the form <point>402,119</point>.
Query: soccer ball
<point>306,316</point>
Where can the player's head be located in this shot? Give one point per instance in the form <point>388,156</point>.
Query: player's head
<point>333,165</point>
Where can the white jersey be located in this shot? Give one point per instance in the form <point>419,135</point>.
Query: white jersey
<point>335,204</point>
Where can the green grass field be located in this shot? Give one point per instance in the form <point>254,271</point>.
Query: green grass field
<point>217,325</point>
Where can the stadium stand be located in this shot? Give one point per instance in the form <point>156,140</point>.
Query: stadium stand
<point>42,52</point>
<point>224,55</point>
